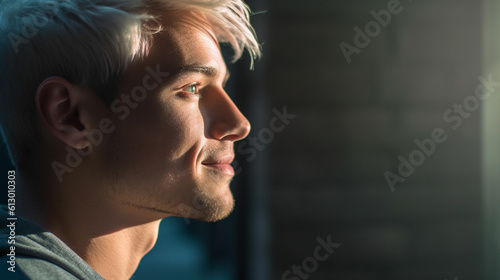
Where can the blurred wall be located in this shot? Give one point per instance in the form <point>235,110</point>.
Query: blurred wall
<point>414,80</point>
<point>490,140</point>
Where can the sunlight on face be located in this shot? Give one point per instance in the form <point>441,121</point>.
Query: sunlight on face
<point>171,153</point>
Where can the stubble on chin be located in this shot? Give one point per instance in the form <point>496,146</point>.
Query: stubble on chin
<point>206,207</point>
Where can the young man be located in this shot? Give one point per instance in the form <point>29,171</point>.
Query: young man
<point>115,115</point>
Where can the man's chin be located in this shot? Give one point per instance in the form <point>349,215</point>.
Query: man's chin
<point>211,210</point>
<point>221,213</point>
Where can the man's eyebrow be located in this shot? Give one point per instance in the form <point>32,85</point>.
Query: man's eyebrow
<point>209,71</point>
<point>206,70</point>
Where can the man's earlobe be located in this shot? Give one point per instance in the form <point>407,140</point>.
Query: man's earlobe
<point>57,102</point>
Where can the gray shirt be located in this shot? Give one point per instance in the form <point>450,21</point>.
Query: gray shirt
<point>39,254</point>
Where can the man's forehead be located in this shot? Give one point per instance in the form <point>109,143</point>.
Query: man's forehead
<point>187,21</point>
<point>186,37</point>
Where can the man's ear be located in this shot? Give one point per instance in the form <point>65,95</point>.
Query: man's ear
<point>58,103</point>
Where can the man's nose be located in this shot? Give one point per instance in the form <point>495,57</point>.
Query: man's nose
<point>223,119</point>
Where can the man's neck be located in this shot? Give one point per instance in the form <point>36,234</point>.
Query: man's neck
<point>110,237</point>
<point>115,250</point>
<point>117,255</point>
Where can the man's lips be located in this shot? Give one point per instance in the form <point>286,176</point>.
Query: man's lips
<point>221,164</point>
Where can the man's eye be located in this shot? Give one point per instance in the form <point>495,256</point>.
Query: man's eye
<point>192,89</point>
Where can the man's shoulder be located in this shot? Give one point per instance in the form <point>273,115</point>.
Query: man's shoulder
<point>32,268</point>
<point>28,251</point>
<point>29,258</point>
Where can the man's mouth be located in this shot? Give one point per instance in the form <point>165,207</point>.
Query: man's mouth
<point>220,164</point>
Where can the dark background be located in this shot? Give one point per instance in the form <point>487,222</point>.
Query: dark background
<point>323,174</point>
<point>354,120</point>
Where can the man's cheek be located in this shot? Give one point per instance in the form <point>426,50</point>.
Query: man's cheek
<point>189,128</point>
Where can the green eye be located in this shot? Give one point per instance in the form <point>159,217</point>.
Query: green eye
<point>191,89</point>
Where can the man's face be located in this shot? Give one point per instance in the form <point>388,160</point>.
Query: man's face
<point>171,152</point>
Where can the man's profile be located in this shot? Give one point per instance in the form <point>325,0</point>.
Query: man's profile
<point>115,116</point>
